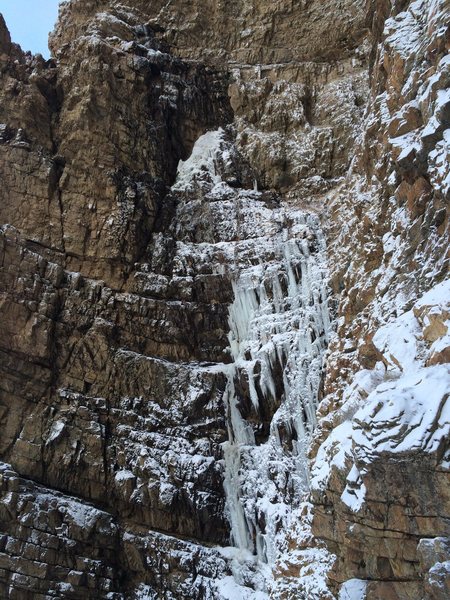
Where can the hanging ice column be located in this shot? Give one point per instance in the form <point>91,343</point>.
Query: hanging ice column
<point>279,327</point>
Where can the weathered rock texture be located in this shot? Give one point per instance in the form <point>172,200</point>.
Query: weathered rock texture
<point>163,323</point>
<point>389,479</point>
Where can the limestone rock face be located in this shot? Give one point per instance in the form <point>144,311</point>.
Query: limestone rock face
<point>386,429</point>
<point>237,32</point>
<point>224,306</point>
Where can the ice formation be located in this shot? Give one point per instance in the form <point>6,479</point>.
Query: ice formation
<point>279,327</point>
<point>278,331</point>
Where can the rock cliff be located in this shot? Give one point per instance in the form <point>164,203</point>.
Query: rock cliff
<point>225,302</point>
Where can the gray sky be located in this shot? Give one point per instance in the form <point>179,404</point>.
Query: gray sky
<point>30,22</point>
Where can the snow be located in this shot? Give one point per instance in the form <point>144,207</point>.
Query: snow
<point>228,589</point>
<point>124,475</point>
<point>439,164</point>
<point>409,414</point>
<point>353,589</point>
<point>400,407</point>
<point>336,451</point>
<point>332,452</point>
<point>439,295</point>
<point>438,577</point>
<point>405,145</point>
<point>355,490</point>
<point>144,592</point>
<point>302,570</point>
<point>56,431</point>
<point>442,343</point>
<point>404,32</point>
<point>398,340</point>
<point>65,588</point>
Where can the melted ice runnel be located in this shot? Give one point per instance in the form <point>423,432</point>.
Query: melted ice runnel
<point>279,327</point>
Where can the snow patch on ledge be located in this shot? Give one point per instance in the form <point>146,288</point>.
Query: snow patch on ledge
<point>407,415</point>
<point>228,589</point>
<point>398,341</point>
<point>402,406</point>
<point>353,589</point>
<point>355,490</point>
<point>439,295</point>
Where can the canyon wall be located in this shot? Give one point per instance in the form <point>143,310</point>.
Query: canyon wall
<point>224,302</point>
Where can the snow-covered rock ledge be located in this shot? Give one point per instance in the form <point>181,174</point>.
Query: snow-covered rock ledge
<point>402,405</point>
<point>381,472</point>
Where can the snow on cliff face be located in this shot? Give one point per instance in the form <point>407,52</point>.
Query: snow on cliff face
<point>201,161</point>
<point>401,406</point>
<point>168,319</point>
<point>380,452</point>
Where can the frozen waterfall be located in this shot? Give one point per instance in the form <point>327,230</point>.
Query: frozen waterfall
<point>279,326</point>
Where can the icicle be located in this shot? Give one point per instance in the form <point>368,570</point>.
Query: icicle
<point>239,528</point>
<point>240,315</point>
<point>239,433</point>
<point>283,329</point>
<point>251,385</point>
